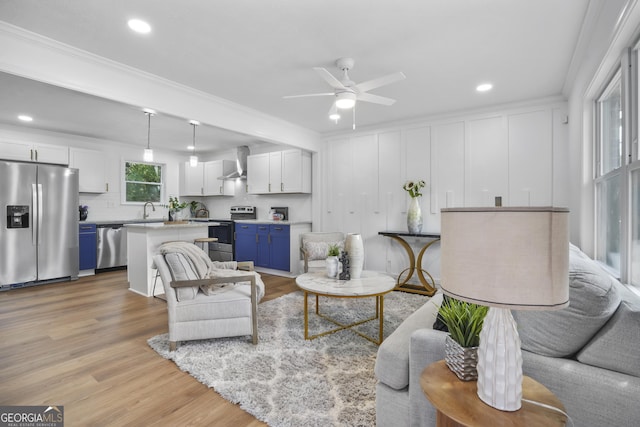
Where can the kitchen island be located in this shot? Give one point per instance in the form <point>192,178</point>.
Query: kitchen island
<point>143,241</point>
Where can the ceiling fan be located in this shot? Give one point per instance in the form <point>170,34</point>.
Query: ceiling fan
<point>347,92</point>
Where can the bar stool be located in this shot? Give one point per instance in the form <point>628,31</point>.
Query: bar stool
<point>202,241</point>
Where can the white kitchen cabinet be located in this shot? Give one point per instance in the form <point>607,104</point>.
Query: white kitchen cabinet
<point>212,186</point>
<point>40,153</point>
<point>92,168</point>
<point>287,171</point>
<point>192,180</point>
<point>202,180</point>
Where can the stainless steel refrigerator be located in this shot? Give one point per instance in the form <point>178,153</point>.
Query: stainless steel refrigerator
<point>39,225</point>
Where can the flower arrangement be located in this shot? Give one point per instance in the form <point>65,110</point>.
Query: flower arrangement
<point>175,205</point>
<point>413,188</point>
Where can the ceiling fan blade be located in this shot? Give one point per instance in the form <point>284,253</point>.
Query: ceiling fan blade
<point>376,99</point>
<point>309,94</point>
<point>380,81</point>
<point>329,78</point>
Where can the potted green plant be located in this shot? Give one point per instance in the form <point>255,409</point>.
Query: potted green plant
<point>332,260</point>
<point>464,322</point>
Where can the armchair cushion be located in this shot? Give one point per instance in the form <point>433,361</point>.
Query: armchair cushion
<point>180,269</point>
<point>318,250</point>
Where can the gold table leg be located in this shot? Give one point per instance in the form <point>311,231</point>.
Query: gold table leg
<point>428,286</point>
<point>379,315</point>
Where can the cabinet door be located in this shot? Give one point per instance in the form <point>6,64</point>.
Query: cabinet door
<point>193,180</point>
<point>275,172</point>
<point>263,245</point>
<point>92,169</point>
<point>15,151</point>
<point>296,171</point>
<point>246,249</point>
<point>280,247</point>
<point>212,186</point>
<point>258,174</point>
<point>51,154</point>
<point>87,249</point>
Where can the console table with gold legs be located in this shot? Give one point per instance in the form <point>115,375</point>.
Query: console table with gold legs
<point>427,284</point>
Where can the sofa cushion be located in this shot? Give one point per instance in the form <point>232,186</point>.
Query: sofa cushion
<point>593,298</point>
<point>615,346</point>
<point>181,269</point>
<point>392,363</point>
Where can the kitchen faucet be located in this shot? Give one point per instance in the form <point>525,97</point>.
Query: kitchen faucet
<point>145,215</point>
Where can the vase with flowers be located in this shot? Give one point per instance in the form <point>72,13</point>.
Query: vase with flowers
<point>414,213</point>
<point>175,206</point>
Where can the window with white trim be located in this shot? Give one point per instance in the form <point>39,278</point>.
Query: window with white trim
<point>142,182</point>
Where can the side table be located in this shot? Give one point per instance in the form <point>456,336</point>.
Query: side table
<point>458,404</point>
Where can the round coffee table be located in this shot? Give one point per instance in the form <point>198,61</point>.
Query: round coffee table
<point>370,284</point>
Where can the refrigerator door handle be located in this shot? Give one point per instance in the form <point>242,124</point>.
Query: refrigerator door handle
<point>40,211</point>
<point>34,207</point>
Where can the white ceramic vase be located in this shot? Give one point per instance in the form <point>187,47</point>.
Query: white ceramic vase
<point>332,266</point>
<point>354,246</point>
<point>414,216</point>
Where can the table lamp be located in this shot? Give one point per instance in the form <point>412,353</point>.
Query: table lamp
<point>505,258</point>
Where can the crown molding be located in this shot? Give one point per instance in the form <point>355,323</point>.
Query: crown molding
<point>33,56</point>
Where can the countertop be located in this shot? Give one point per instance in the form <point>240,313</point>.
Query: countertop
<point>162,226</point>
<point>270,221</point>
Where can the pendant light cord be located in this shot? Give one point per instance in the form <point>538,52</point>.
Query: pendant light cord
<point>149,131</point>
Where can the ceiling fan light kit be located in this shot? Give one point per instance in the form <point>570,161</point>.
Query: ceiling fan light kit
<point>347,92</point>
<point>345,100</point>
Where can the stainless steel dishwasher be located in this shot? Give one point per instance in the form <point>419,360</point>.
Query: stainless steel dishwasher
<point>111,246</point>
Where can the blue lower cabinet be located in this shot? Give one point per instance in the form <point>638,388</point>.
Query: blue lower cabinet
<point>245,236</point>
<point>267,245</point>
<point>280,247</point>
<point>87,247</point>
<point>263,241</point>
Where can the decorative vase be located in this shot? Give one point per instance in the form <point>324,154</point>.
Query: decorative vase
<point>354,246</point>
<point>332,266</point>
<point>414,216</point>
<point>462,361</point>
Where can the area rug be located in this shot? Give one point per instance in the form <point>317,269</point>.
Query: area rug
<point>288,381</point>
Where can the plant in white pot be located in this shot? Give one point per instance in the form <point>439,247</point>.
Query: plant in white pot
<point>332,260</point>
<point>464,322</point>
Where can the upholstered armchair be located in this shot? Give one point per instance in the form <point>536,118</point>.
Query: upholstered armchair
<point>222,304</point>
<point>314,247</point>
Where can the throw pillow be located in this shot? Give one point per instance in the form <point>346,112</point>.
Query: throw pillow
<point>615,346</point>
<point>319,250</point>
<point>181,269</point>
<point>593,298</point>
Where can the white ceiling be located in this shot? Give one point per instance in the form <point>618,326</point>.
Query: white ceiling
<point>254,52</point>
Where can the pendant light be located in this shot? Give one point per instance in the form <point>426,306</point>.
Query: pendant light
<point>148,152</point>
<point>193,159</point>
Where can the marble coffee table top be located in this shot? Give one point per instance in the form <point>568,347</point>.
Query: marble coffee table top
<point>369,283</point>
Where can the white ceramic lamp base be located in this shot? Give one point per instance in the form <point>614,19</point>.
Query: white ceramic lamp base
<point>500,361</point>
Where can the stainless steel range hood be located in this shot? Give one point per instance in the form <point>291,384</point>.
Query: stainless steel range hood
<point>241,164</point>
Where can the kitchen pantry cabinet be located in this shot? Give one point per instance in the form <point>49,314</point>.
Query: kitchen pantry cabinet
<point>267,245</point>
<point>287,171</point>
<point>92,167</point>
<point>202,180</point>
<point>34,152</point>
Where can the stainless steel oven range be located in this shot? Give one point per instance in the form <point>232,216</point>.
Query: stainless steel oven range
<point>223,249</point>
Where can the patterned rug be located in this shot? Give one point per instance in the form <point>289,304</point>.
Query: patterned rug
<point>288,381</point>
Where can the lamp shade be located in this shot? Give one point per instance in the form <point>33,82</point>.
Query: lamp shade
<point>508,257</point>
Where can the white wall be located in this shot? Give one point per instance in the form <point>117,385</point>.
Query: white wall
<point>518,152</point>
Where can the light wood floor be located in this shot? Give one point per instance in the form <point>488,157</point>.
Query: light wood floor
<point>83,345</point>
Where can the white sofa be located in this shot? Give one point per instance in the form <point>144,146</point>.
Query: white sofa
<point>587,354</point>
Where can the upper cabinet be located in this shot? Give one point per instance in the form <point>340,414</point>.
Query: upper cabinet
<point>92,170</point>
<point>287,171</point>
<point>203,179</point>
<point>34,152</point>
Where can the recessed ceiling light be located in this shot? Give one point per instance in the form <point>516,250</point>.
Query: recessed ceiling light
<point>484,87</point>
<point>25,118</point>
<point>139,26</point>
